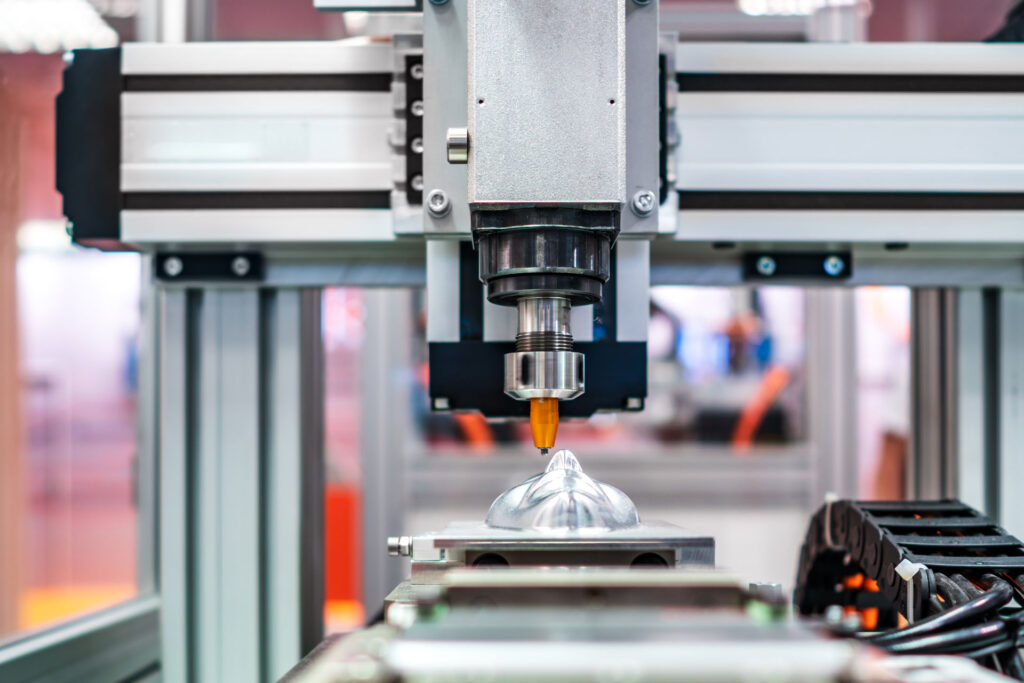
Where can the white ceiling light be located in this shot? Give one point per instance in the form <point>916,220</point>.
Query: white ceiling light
<point>50,26</point>
<point>789,7</point>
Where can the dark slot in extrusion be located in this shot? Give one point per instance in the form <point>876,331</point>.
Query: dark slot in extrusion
<point>859,83</point>
<point>357,199</point>
<point>367,82</point>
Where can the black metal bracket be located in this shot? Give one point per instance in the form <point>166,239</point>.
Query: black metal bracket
<point>414,129</point>
<point>767,266</point>
<point>469,374</point>
<point>226,267</point>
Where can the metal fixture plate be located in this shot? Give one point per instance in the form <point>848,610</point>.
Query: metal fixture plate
<point>460,538</point>
<point>547,111</point>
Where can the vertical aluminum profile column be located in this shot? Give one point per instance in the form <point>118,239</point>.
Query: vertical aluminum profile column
<point>933,378</point>
<point>384,438</point>
<point>832,376</point>
<point>240,436</point>
<point>1010,425</point>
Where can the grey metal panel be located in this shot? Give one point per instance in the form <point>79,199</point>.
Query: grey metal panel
<point>386,350</point>
<point>886,58</point>
<point>932,463</point>
<point>831,407</point>
<point>175,500</point>
<point>239,500</point>
<point>117,644</point>
<point>250,141</point>
<point>444,100</point>
<point>643,139</point>
<point>909,142</point>
<point>267,57</point>
<point>206,524</point>
<point>241,553</point>
<point>547,111</point>
<point>211,228</point>
<point>442,291</point>
<point>632,287</point>
<point>294,457</point>
<point>970,424</point>
<point>1011,419</point>
<point>284,484</point>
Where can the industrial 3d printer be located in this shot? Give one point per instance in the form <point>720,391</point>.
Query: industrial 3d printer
<point>536,165</point>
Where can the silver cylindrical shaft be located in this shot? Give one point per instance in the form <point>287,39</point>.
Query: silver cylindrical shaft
<point>544,324</point>
<point>544,364</point>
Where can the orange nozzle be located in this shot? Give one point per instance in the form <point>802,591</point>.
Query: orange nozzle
<point>544,421</point>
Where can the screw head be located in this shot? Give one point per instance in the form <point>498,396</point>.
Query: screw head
<point>644,202</point>
<point>834,266</point>
<point>766,266</point>
<point>416,108</point>
<point>416,72</point>
<point>240,266</point>
<point>416,145</point>
<point>438,203</point>
<point>173,266</point>
<point>416,182</point>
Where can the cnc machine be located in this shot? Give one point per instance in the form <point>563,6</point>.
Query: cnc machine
<point>536,164</point>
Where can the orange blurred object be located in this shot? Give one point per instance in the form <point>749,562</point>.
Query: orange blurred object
<point>544,421</point>
<point>772,384</point>
<point>476,430</point>
<point>342,543</point>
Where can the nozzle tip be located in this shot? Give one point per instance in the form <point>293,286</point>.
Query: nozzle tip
<point>544,451</point>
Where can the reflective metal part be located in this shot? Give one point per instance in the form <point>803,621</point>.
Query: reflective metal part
<point>544,324</point>
<point>544,374</point>
<point>563,498</point>
<point>544,364</point>
<point>457,145</point>
<point>527,261</point>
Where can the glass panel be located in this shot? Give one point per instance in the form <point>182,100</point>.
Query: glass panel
<point>343,330</point>
<point>68,322</point>
<point>883,391</point>
<point>77,325</point>
<point>725,367</point>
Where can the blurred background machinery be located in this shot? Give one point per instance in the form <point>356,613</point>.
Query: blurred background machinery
<point>764,386</point>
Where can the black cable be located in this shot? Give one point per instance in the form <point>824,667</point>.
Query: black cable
<point>950,591</point>
<point>951,642</point>
<point>969,587</point>
<point>989,650</point>
<point>967,613</point>
<point>1011,664</point>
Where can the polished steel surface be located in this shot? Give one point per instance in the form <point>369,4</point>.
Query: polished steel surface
<point>563,498</point>
<point>544,324</point>
<point>544,374</point>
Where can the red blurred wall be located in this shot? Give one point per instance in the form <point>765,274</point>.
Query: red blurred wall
<point>936,20</point>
